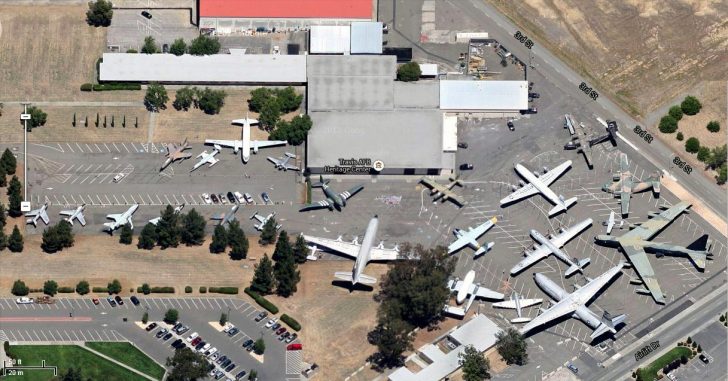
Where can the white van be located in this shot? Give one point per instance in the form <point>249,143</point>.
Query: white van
<point>118,177</point>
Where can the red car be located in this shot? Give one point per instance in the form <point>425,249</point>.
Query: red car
<point>294,347</point>
<point>281,330</point>
<point>196,341</point>
<point>96,301</point>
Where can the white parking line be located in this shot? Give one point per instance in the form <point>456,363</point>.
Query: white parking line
<point>69,147</point>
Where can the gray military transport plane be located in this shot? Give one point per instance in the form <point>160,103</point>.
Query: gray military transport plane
<point>635,243</point>
<point>444,191</point>
<point>333,199</point>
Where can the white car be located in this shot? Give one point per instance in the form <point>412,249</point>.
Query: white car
<point>205,348</point>
<point>248,198</point>
<point>24,300</point>
<point>239,197</point>
<point>206,198</point>
<point>192,337</point>
<point>271,322</point>
<point>118,177</point>
<point>227,327</point>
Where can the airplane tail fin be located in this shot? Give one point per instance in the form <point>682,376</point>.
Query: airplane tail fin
<point>455,311</point>
<point>608,324</point>
<point>578,266</point>
<point>484,249</point>
<point>565,204</point>
<point>699,251</point>
<point>366,279</point>
<point>320,183</point>
<point>347,276</point>
<point>655,181</point>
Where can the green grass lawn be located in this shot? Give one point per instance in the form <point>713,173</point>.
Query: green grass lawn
<point>650,372</point>
<point>65,356</point>
<point>128,354</point>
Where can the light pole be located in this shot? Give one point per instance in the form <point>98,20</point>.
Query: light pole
<point>25,118</point>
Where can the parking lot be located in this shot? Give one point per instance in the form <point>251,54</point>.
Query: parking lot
<point>129,28</point>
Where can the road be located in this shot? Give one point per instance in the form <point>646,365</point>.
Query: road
<point>568,80</point>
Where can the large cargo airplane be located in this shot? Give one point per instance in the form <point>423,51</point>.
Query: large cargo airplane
<point>121,219</point>
<point>363,253</point>
<point>333,200</point>
<point>540,184</point>
<point>467,287</point>
<point>246,144</point>
<point>470,238</point>
<point>444,191</point>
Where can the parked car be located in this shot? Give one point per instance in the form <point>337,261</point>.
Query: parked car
<point>671,377</point>
<point>231,197</point>
<point>183,329</point>
<point>238,197</point>
<point>162,332</point>
<point>463,145</point>
<point>193,336</point>
<point>119,300</point>
<point>230,367</point>
<point>572,368</point>
<point>247,343</point>
<point>134,300</point>
<point>510,126</point>
<point>219,374</point>
<point>284,336</point>
<point>275,326</point>
<point>233,332</point>
<point>111,301</point>
<point>214,356</point>
<point>222,198</point>
<point>294,347</point>
<point>205,347</point>
<point>261,316</point>
<point>95,301</point>
<point>534,95</point>
<point>227,327</point>
<point>147,14</point>
<point>177,325</point>
<point>271,322</point>
<point>118,177</point>
<point>240,375</point>
<point>221,359</point>
<point>210,352</point>
<point>196,341</point>
<point>151,327</point>
<point>466,166</point>
<point>206,198</point>
<point>530,110</point>
<point>290,339</point>
<point>280,330</point>
<point>265,198</point>
<point>167,336</point>
<point>176,343</point>
<point>24,300</point>
<point>214,198</point>
<point>226,363</point>
<point>165,48</point>
<point>704,358</point>
<point>248,198</point>
<point>200,345</point>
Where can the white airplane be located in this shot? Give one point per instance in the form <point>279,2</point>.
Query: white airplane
<point>466,287</point>
<point>246,144</point>
<point>226,217</point>
<point>363,253</point>
<point>263,220</point>
<point>177,210</point>
<point>39,213</point>
<point>469,238</point>
<point>518,303</point>
<point>282,163</point>
<point>121,219</point>
<point>207,158</point>
<point>610,223</point>
<point>76,213</point>
<point>553,245</point>
<point>540,184</point>
<point>574,304</point>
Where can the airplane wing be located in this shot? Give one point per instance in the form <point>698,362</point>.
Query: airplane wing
<point>170,147</point>
<point>210,160</point>
<point>382,254</point>
<point>44,217</point>
<point>180,155</point>
<point>653,226</point>
<point>32,213</point>
<point>81,219</point>
<point>642,267</point>
<point>155,221</point>
<point>486,293</point>
<point>346,248</point>
<point>461,242</point>
<point>267,143</point>
<point>521,193</point>
<point>512,303</point>
<point>562,308</point>
<point>115,217</point>
<point>484,227</point>
<point>540,253</point>
<point>274,160</point>
<point>67,212</point>
<point>431,184</point>
<point>452,196</point>
<point>551,176</point>
<point>236,144</point>
<point>562,238</point>
<point>624,202</point>
<point>292,167</point>
<point>315,205</point>
<point>351,192</point>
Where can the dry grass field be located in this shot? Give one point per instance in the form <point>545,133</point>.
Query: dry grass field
<point>642,52</point>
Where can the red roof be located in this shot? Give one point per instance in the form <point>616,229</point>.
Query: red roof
<point>329,9</point>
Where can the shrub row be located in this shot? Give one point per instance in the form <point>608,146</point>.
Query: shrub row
<point>66,290</point>
<point>262,301</point>
<point>203,290</point>
<point>158,290</point>
<point>291,322</point>
<point>110,86</point>
<point>188,289</point>
<point>224,290</point>
<point>100,290</point>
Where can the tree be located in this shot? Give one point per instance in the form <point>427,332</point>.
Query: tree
<point>253,375</point>
<point>186,365</point>
<point>475,366</point>
<point>288,99</point>
<point>219,240</point>
<point>409,72</point>
<point>223,319</point>
<point>184,98</point>
<point>37,117</point>
<point>72,375</point>
<point>82,288</point>
<point>146,290</point>
<point>283,247</point>
<point>259,346</point>
<point>3,220</point>
<point>148,237</point>
<point>204,45</point>
<point>14,197</point>
<point>675,112</point>
<point>19,288</point>
<point>285,269</point>
<point>8,162</point>
<point>57,237</point>
<point>680,136</point>
<point>211,101</point>
<point>268,234</point>
<point>15,242</point>
<point>263,281</point>
<point>668,124</point>
<point>294,132</point>
<point>713,126</point>
<point>237,241</point>
<point>99,13</point>
<point>270,114</point>
<point>193,228</point>
<point>683,359</point>
<point>690,105</point>
<point>258,98</point>
<point>171,316</point>
<point>50,287</point>
<point>704,154</point>
<point>126,235</point>
<point>722,174</point>
<point>3,177</point>
<point>718,156</point>
<point>692,145</point>
<point>512,347</point>
<point>145,317</point>
<point>156,97</point>
<point>391,336</point>
<point>178,47</point>
<point>300,250</point>
<point>114,287</point>
<point>150,46</point>
<point>168,230</point>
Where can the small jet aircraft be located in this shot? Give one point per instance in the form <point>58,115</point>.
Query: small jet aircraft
<point>635,244</point>
<point>225,218</point>
<point>121,219</point>
<point>246,144</point>
<point>333,200</point>
<point>177,210</point>
<point>610,223</point>
<point>624,184</point>
<point>39,213</point>
<point>363,253</point>
<point>540,184</point>
<point>574,304</point>
<point>76,213</point>
<point>463,289</point>
<point>176,152</point>
<point>282,162</point>
<point>469,238</point>
<point>263,220</point>
<point>444,191</point>
<point>553,245</point>
<point>518,304</point>
<point>207,158</point>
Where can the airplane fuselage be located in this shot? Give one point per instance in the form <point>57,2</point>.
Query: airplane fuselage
<point>467,283</point>
<point>365,249</point>
<point>538,184</point>
<point>246,141</point>
<point>334,199</point>
<point>75,214</point>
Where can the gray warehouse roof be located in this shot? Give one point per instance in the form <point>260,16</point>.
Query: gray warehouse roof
<point>420,94</point>
<point>218,68</point>
<point>366,37</point>
<point>484,95</point>
<point>401,138</point>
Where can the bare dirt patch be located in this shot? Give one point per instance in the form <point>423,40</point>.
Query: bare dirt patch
<point>642,53</point>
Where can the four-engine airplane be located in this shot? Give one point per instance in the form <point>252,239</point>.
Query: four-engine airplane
<point>444,192</point>
<point>540,184</point>
<point>470,238</point>
<point>246,144</point>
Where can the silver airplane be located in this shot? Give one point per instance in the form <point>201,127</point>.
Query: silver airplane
<point>246,144</point>
<point>39,213</point>
<point>363,253</point>
<point>470,238</point>
<point>333,200</point>
<point>282,162</point>
<point>553,245</point>
<point>540,184</point>
<point>263,220</point>
<point>463,289</point>
<point>518,304</point>
<point>207,158</point>
<point>610,223</point>
<point>225,218</point>
<point>574,304</point>
<point>177,210</point>
<point>75,214</point>
<point>121,219</point>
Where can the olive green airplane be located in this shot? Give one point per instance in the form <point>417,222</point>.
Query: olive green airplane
<point>624,184</point>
